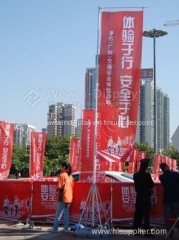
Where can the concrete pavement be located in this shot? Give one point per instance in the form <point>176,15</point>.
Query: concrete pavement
<point>12,231</point>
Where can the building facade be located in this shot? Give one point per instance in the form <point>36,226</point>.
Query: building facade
<point>145,129</point>
<point>61,120</point>
<point>22,134</point>
<point>90,88</point>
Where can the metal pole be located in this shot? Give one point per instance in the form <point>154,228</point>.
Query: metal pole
<point>154,33</point>
<point>95,125</point>
<point>155,98</point>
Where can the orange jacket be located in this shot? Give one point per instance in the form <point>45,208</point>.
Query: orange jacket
<point>66,183</point>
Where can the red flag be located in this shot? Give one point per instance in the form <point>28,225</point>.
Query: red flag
<point>37,152</point>
<point>140,155</point>
<point>119,85</point>
<point>157,161</point>
<point>6,145</point>
<point>75,154</point>
<point>132,164</point>
<point>87,145</point>
<point>174,165</point>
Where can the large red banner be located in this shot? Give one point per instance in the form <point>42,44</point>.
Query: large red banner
<point>87,145</point>
<point>16,199</point>
<point>37,200</point>
<point>126,195</point>
<point>45,197</point>
<point>119,85</point>
<point>6,145</point>
<point>75,153</point>
<point>37,151</point>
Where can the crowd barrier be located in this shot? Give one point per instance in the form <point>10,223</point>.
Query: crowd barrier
<point>23,198</point>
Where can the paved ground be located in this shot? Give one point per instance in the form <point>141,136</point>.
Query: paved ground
<point>12,231</point>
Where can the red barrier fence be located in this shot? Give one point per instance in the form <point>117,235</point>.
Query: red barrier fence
<point>37,200</point>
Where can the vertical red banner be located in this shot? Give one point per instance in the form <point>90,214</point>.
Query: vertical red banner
<point>140,155</point>
<point>37,152</point>
<point>87,145</point>
<point>119,84</point>
<point>174,165</point>
<point>75,153</point>
<point>156,164</point>
<point>132,165</point>
<point>6,145</point>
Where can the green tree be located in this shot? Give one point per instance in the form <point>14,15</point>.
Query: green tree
<point>20,161</point>
<point>172,152</point>
<point>57,151</point>
<point>146,148</point>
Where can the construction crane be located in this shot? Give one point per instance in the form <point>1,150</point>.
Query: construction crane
<point>171,23</point>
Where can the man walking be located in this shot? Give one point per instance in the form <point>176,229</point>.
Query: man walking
<point>170,183</point>
<point>143,185</point>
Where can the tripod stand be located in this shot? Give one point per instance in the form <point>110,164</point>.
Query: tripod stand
<point>94,205</point>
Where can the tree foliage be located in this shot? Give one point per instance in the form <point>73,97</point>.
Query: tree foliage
<point>20,161</point>
<point>56,151</point>
<point>146,148</point>
<point>172,152</point>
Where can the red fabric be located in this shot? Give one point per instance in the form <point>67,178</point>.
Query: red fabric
<point>157,161</point>
<point>37,151</point>
<point>6,145</point>
<point>140,155</point>
<point>119,85</point>
<point>87,144</point>
<point>75,153</point>
<point>38,200</point>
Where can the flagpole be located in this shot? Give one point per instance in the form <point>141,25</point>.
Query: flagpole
<point>95,123</point>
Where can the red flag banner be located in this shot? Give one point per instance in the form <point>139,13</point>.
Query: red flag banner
<point>132,165</point>
<point>174,165</point>
<point>119,85</point>
<point>140,155</point>
<point>37,151</point>
<point>156,164</point>
<point>87,145</point>
<point>6,145</point>
<point>75,153</point>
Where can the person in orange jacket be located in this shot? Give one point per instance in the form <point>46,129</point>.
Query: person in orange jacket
<point>65,188</point>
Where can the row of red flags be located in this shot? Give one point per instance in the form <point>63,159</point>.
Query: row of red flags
<point>78,163</point>
<point>37,151</point>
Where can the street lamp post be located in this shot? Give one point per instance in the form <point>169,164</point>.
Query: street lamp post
<point>154,33</point>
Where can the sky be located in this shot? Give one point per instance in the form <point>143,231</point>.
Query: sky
<point>46,46</point>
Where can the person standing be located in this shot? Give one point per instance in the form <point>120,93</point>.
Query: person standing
<point>143,185</point>
<point>170,182</point>
<point>65,188</point>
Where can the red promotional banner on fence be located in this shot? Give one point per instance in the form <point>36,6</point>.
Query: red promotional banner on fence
<point>15,200</point>
<point>6,145</point>
<point>75,154</point>
<point>119,84</point>
<point>87,145</point>
<point>37,200</point>
<point>37,151</point>
<point>45,197</point>
<point>126,195</point>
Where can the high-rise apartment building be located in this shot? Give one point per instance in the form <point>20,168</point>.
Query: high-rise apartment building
<point>90,88</point>
<point>163,120</point>
<point>22,134</point>
<point>78,128</point>
<point>61,120</point>
<point>145,130</point>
